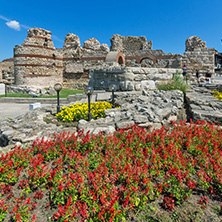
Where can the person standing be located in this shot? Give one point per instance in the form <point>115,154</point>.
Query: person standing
<point>198,76</point>
<point>208,77</point>
<point>184,71</point>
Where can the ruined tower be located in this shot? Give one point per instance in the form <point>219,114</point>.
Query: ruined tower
<point>36,61</point>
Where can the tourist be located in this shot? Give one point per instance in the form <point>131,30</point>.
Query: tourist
<point>198,76</point>
<point>184,71</point>
<point>208,77</point>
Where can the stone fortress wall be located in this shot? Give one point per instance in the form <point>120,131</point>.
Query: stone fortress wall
<point>7,71</point>
<point>77,60</point>
<point>36,61</point>
<point>38,64</point>
<point>139,53</point>
<point>198,56</point>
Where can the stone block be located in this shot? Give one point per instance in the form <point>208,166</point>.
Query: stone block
<point>129,76</point>
<point>126,85</point>
<point>160,76</point>
<point>34,106</point>
<point>173,71</point>
<point>140,77</point>
<point>152,71</point>
<point>140,119</point>
<point>136,70</point>
<point>138,87</point>
<point>126,76</point>
<point>161,70</point>
<point>103,96</point>
<point>106,130</point>
<point>148,85</point>
<point>124,124</point>
<point>2,89</point>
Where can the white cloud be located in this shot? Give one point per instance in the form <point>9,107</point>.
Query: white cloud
<point>14,25</point>
<point>4,18</point>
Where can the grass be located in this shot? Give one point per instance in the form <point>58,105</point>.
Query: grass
<point>177,83</point>
<point>63,94</point>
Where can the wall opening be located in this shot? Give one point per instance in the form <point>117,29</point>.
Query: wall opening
<point>120,60</point>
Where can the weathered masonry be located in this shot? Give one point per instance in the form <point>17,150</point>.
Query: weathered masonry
<point>36,61</point>
<point>130,78</point>
<point>198,56</point>
<point>7,71</point>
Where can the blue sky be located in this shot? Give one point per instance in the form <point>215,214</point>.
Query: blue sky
<point>167,23</point>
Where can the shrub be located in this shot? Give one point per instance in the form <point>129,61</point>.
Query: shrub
<point>177,83</point>
<point>218,95</point>
<point>79,111</point>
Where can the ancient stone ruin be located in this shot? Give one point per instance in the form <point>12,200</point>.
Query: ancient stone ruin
<point>37,63</point>
<point>7,71</point>
<point>130,78</point>
<point>198,56</point>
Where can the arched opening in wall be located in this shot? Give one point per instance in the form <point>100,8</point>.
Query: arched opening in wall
<point>146,62</point>
<point>139,59</point>
<point>120,60</point>
<point>115,57</point>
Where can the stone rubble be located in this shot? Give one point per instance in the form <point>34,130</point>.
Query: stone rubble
<point>26,128</point>
<point>144,108</point>
<point>154,109</point>
<point>31,90</point>
<point>202,105</point>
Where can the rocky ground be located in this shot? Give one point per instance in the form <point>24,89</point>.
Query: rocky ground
<point>147,109</point>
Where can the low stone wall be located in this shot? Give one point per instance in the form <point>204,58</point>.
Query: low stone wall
<point>130,78</point>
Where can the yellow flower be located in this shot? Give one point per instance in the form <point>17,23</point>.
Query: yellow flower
<point>79,111</point>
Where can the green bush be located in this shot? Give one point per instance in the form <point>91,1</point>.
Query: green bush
<point>177,83</point>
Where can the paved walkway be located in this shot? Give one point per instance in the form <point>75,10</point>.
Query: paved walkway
<point>12,110</point>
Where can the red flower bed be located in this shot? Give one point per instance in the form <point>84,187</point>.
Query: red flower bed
<point>102,178</point>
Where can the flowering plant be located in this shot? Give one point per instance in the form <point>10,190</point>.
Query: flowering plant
<point>79,111</point>
<point>77,177</point>
<point>218,95</point>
